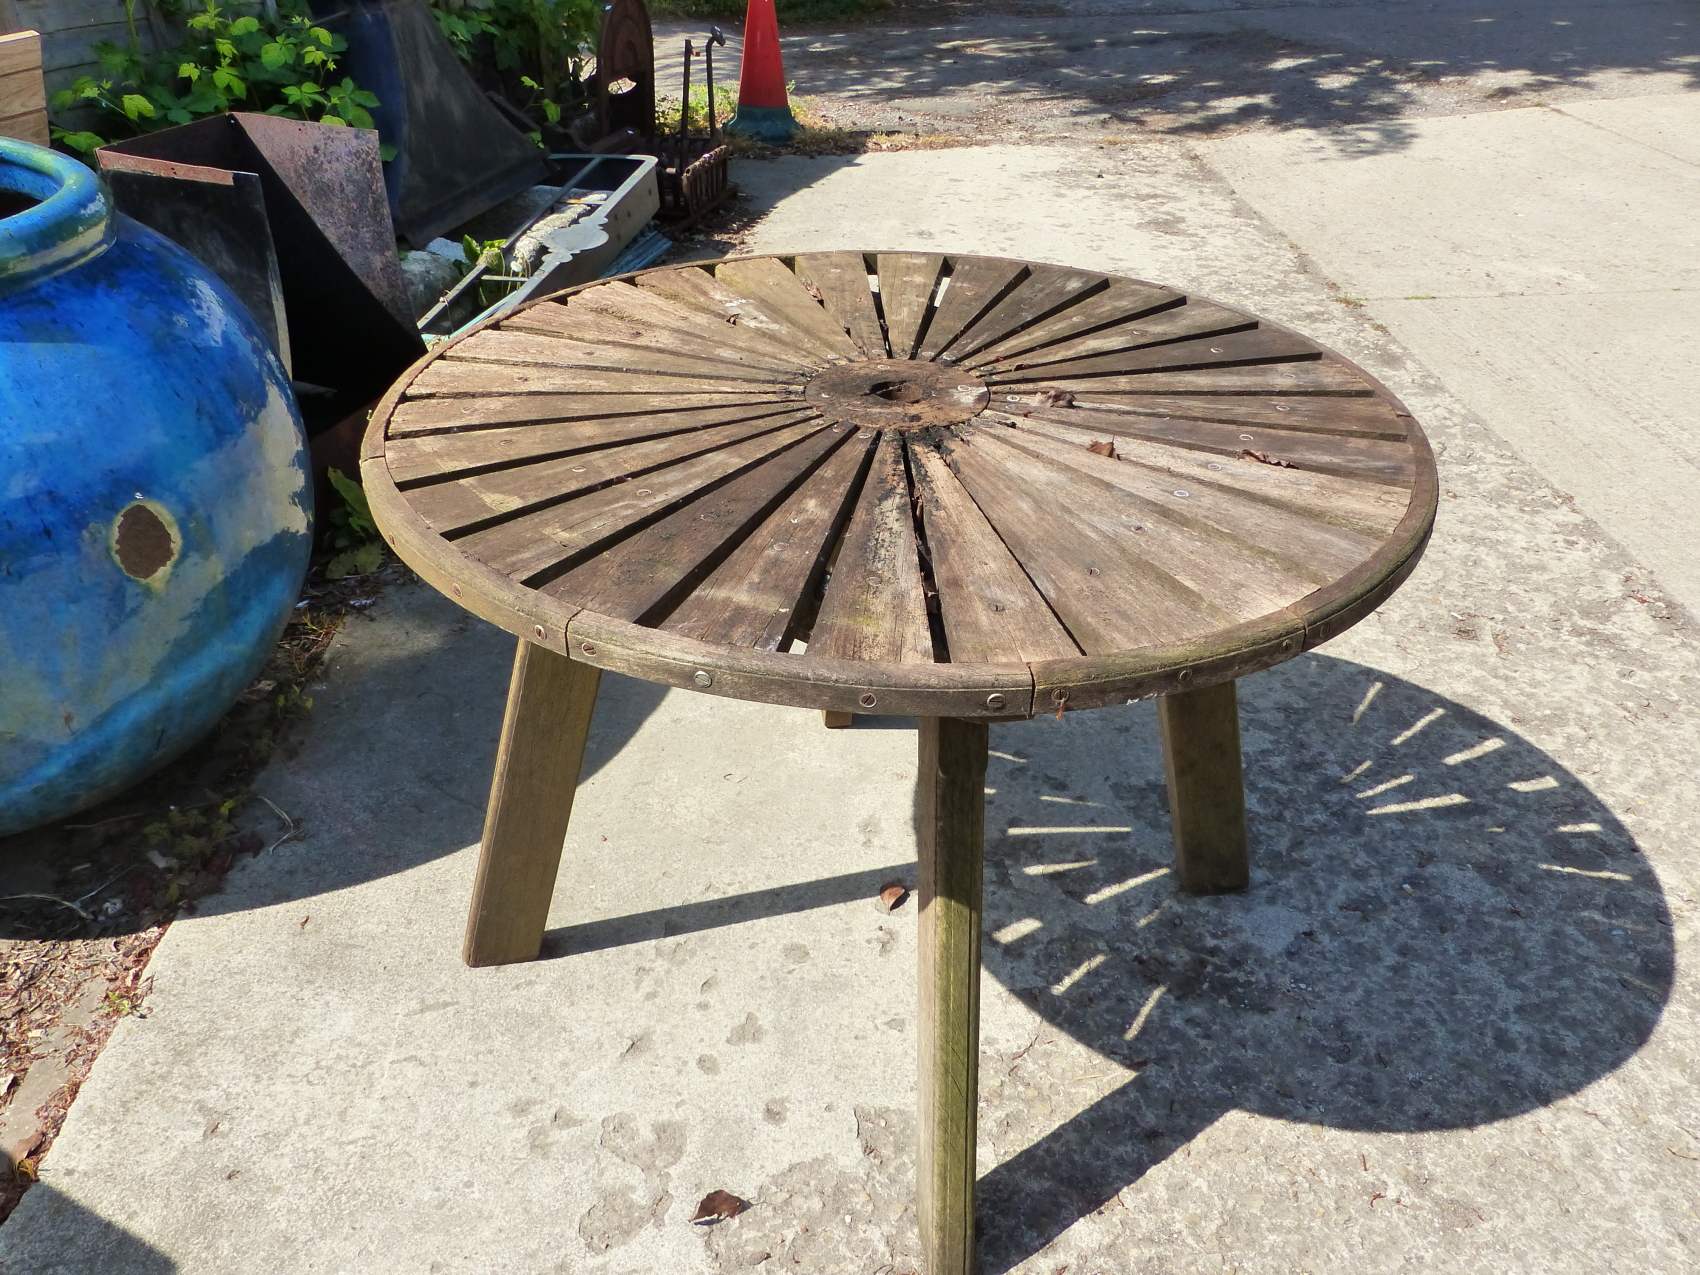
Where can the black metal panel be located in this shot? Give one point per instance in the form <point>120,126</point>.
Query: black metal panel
<point>456,154</point>
<point>219,217</point>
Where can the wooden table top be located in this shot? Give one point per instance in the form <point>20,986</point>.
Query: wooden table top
<point>911,483</point>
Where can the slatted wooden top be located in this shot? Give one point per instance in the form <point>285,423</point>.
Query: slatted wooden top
<point>902,482</point>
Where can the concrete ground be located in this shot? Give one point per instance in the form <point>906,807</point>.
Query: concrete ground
<point>1458,1037</point>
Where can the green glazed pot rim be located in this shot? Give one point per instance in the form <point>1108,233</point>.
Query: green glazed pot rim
<point>71,223</point>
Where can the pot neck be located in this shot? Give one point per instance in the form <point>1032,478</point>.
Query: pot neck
<point>69,225</point>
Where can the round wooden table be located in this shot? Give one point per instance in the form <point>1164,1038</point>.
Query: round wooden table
<point>966,489</point>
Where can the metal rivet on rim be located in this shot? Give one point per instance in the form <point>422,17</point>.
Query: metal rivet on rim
<point>867,700</point>
<point>1058,695</point>
<point>539,631</point>
<point>703,678</point>
<point>589,648</point>
<point>1186,675</point>
<point>1287,645</point>
<point>995,700</point>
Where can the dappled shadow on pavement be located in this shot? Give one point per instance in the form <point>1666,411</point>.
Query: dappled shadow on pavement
<point>1363,70</point>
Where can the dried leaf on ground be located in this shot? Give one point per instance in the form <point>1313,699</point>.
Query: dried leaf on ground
<point>893,895</point>
<point>717,1206</point>
<point>1265,458</point>
<point>1105,448</point>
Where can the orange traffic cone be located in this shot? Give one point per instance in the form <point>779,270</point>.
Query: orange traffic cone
<point>763,109</point>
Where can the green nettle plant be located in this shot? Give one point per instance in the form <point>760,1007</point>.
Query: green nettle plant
<point>270,59</point>
<point>541,46</point>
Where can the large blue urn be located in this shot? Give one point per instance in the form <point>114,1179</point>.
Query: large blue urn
<point>155,507</point>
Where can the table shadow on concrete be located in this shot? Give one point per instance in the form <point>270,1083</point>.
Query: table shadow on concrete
<point>1457,934</point>
<point>89,1241</point>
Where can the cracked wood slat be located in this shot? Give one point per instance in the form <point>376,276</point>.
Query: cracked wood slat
<point>907,280</point>
<point>696,288</point>
<point>975,283</point>
<point>460,508</point>
<point>425,417</point>
<point>990,610</point>
<point>599,328</point>
<point>766,281</point>
<point>1117,304</point>
<point>534,548</point>
<point>756,596</point>
<point>631,579</point>
<point>875,606</point>
<point>1318,377</point>
<point>1195,318</point>
<point>439,456</point>
<point>1236,580</point>
<point>720,324</point>
<point>1370,459</point>
<point>446,377</point>
<point>1371,508</point>
<point>1045,289</point>
<point>1321,414</point>
<point>1304,545</point>
<point>1259,345</point>
<point>842,280</point>
<point>497,345</point>
<point>1128,602</point>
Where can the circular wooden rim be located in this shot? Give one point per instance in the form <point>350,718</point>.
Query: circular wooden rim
<point>1012,688</point>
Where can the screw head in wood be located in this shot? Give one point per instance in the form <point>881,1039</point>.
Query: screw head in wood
<point>1186,675</point>
<point>703,678</point>
<point>867,700</point>
<point>540,633</point>
<point>589,648</point>
<point>456,588</point>
<point>995,700</point>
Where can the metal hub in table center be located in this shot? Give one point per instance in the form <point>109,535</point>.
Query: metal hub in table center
<point>899,394</point>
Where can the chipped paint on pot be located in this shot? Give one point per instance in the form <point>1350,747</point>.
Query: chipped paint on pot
<point>155,508</point>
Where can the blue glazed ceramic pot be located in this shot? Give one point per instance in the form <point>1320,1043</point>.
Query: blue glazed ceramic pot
<point>155,507</point>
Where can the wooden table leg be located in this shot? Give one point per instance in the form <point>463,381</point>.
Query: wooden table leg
<point>951,831</point>
<point>1201,753</point>
<point>550,702</point>
<point>834,720</point>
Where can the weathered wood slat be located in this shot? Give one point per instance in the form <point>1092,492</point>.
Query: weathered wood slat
<point>1046,288</point>
<point>1370,459</point>
<point>907,281</point>
<point>875,607</point>
<point>754,597</point>
<point>1195,318</point>
<point>420,417</point>
<point>1116,304</point>
<point>497,345</point>
<point>698,289</point>
<point>1319,414</point>
<point>599,328</point>
<point>437,456</point>
<point>535,547</point>
<point>1220,574</point>
<point>446,377</point>
<point>974,284</point>
<point>1273,378</point>
<point>1299,543</point>
<point>1100,584</point>
<point>720,324</point>
<point>990,610</point>
<point>634,577</point>
<point>1260,345</point>
<point>455,508</point>
<point>1371,508</point>
<point>841,278</point>
<point>767,281</point>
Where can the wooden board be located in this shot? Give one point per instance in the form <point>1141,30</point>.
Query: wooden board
<point>943,483</point>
